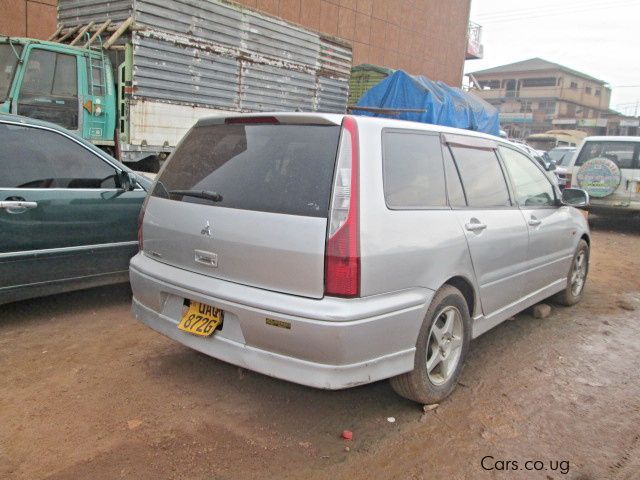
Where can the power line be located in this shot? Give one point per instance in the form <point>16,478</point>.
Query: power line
<point>525,11</point>
<point>575,8</point>
<point>529,15</point>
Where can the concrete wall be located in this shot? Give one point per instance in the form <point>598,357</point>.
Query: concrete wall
<point>426,37</point>
<point>28,18</point>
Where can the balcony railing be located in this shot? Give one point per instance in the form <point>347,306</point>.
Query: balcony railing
<point>474,42</point>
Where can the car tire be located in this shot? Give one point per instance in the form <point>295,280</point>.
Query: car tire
<point>577,277</point>
<point>430,384</point>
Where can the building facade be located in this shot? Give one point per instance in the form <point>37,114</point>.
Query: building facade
<point>535,95</point>
<point>28,18</point>
<point>424,37</point>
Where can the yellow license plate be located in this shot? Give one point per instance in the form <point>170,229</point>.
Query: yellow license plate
<point>201,319</point>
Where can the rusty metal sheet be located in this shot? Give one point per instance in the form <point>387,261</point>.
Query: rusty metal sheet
<point>215,54</point>
<point>74,12</point>
<point>165,70</point>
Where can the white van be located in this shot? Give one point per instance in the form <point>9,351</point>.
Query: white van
<point>609,170</point>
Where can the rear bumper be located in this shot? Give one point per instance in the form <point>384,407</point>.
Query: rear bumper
<point>332,343</point>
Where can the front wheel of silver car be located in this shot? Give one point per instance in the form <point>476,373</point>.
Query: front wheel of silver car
<point>440,350</point>
<point>576,278</point>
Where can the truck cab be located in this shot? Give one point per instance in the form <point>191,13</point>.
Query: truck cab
<point>63,84</point>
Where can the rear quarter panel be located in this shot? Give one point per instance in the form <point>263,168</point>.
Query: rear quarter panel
<point>403,249</point>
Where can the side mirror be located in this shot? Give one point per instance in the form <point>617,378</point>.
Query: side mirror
<point>551,166</point>
<point>127,180</point>
<point>575,197</point>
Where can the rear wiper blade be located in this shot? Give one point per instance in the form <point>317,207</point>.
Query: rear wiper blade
<point>207,195</point>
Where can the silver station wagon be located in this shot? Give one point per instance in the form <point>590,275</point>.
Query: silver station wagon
<point>333,250</point>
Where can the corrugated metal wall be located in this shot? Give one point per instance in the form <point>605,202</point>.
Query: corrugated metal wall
<point>73,12</point>
<point>214,54</point>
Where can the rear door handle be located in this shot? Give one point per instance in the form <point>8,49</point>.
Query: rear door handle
<point>17,206</point>
<point>475,226</point>
<point>534,222</point>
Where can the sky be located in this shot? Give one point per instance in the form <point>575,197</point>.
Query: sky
<point>598,37</point>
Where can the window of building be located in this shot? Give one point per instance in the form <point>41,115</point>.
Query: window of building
<point>512,88</point>
<point>574,85</point>
<point>413,171</point>
<point>526,106</point>
<point>547,106</point>
<point>539,82</point>
<point>490,84</point>
<point>587,90</point>
<point>597,93</point>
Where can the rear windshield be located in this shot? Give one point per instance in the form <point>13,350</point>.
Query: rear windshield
<point>623,154</point>
<point>263,167</point>
<point>561,156</point>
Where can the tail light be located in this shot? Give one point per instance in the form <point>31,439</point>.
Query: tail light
<point>342,257</point>
<point>567,179</point>
<point>140,220</point>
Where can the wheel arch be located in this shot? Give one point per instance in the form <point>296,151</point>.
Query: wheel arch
<point>466,288</point>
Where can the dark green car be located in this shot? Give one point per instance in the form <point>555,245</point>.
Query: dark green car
<point>68,211</point>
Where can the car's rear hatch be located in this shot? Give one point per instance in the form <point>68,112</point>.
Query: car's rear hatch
<point>263,221</point>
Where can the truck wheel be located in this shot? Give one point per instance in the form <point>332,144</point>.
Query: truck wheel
<point>576,278</point>
<point>149,164</point>
<point>441,348</point>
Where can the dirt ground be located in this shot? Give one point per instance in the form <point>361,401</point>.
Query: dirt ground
<point>88,393</point>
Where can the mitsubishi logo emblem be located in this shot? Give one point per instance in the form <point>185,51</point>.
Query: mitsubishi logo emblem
<point>206,230</point>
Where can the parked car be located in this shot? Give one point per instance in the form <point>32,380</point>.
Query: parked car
<point>262,247</point>
<point>68,211</point>
<point>608,168</point>
<point>561,156</point>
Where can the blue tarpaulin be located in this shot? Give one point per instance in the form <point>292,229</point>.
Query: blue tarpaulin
<point>440,103</point>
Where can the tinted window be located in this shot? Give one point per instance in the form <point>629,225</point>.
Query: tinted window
<point>482,177</point>
<point>269,168</point>
<point>50,73</point>
<point>532,187</point>
<point>49,88</point>
<point>413,173</point>
<point>35,158</point>
<point>623,154</point>
<point>454,185</point>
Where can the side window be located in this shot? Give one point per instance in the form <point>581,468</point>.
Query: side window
<point>482,178</point>
<point>454,185</point>
<point>50,88</point>
<point>36,158</point>
<point>533,188</point>
<point>413,172</point>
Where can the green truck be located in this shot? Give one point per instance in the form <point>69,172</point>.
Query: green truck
<point>133,77</point>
